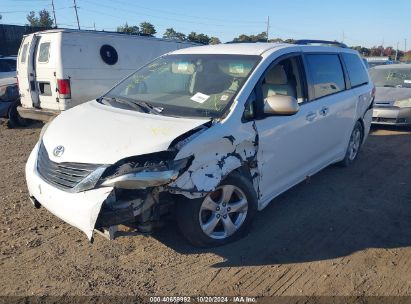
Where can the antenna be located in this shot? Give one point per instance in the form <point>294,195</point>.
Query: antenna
<point>54,13</point>
<point>75,8</point>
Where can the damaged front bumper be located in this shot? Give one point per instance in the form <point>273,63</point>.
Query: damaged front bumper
<point>101,208</point>
<point>78,209</point>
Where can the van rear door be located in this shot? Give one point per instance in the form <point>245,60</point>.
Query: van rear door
<point>26,67</point>
<point>45,63</point>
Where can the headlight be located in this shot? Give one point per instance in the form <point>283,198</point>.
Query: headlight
<point>137,175</point>
<point>403,103</point>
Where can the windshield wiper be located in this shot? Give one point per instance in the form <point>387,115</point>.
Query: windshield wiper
<point>123,101</point>
<point>136,104</point>
<point>147,107</point>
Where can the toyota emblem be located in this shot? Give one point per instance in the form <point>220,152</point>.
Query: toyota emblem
<point>58,151</point>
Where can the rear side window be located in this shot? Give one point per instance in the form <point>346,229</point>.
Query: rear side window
<point>44,52</point>
<point>356,70</point>
<point>24,53</point>
<point>327,74</point>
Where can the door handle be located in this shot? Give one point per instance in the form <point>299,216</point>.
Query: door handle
<point>324,111</point>
<point>311,116</point>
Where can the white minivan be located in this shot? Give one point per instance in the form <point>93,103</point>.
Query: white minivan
<point>59,69</point>
<point>211,134</point>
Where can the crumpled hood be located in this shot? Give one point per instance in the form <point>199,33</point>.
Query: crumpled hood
<point>390,95</point>
<point>99,134</point>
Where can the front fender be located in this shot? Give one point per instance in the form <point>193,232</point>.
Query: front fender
<point>216,154</point>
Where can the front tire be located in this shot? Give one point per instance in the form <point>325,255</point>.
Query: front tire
<point>222,216</point>
<point>354,146</point>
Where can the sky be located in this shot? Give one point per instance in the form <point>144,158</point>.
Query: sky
<point>356,22</point>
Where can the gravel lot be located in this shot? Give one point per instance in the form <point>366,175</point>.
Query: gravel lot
<point>343,232</point>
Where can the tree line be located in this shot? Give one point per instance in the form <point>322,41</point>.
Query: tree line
<point>43,19</point>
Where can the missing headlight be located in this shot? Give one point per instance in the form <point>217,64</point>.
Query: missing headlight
<point>145,171</point>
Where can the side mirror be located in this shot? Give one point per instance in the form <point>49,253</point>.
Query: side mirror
<point>281,105</point>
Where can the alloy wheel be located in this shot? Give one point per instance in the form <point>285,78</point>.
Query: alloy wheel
<point>223,211</point>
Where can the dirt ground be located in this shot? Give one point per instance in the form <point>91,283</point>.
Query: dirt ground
<point>343,232</point>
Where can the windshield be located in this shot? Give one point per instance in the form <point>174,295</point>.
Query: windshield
<point>391,77</point>
<point>184,85</point>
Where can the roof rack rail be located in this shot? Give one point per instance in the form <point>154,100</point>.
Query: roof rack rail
<point>326,42</point>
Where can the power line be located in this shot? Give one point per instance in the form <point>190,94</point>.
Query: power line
<point>160,17</point>
<point>189,16</point>
<point>75,8</point>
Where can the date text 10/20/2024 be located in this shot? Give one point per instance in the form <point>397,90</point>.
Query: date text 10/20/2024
<point>206,299</point>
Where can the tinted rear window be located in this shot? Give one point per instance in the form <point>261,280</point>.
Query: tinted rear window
<point>356,69</point>
<point>327,74</point>
<point>44,52</point>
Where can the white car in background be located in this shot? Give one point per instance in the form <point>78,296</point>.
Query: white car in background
<point>7,67</point>
<point>213,133</point>
<point>9,92</point>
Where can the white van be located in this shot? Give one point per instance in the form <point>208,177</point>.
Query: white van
<point>59,69</point>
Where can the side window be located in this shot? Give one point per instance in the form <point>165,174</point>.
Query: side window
<point>284,78</point>
<point>356,69</point>
<point>44,52</point>
<point>327,74</point>
<point>24,53</point>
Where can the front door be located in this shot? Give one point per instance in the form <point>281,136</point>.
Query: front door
<point>289,146</point>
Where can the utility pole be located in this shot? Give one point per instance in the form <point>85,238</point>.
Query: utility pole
<point>343,37</point>
<point>405,45</point>
<point>268,25</point>
<point>396,52</point>
<point>75,8</point>
<point>94,23</point>
<point>54,13</point>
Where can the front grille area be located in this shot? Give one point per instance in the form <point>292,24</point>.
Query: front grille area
<point>62,175</point>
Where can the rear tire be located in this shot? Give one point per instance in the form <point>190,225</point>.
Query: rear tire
<point>222,216</point>
<point>354,145</point>
<point>15,120</point>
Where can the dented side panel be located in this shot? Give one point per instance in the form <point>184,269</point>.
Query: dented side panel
<point>216,154</point>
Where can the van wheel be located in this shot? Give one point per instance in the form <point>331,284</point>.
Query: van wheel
<point>223,216</point>
<point>15,120</point>
<point>354,145</point>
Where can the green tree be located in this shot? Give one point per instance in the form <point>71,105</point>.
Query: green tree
<point>133,29</point>
<point>289,40</point>
<point>276,40</point>
<point>262,37</point>
<point>170,33</point>
<point>199,38</point>
<point>147,28</point>
<point>214,40</point>
<point>181,36</point>
<point>42,20</point>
